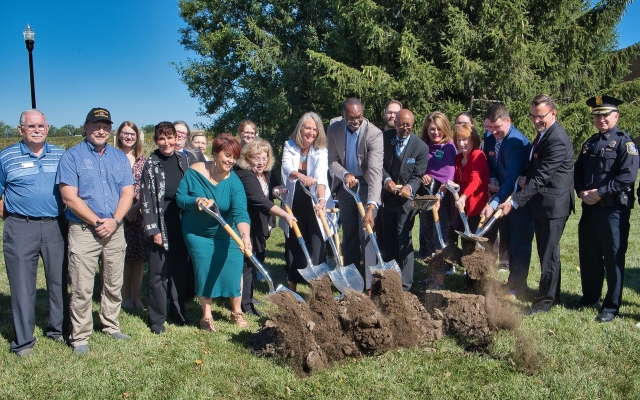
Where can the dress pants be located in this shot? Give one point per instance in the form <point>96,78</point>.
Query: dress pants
<point>355,240</point>
<point>516,230</point>
<point>24,241</point>
<point>548,234</point>
<point>603,233</point>
<point>398,240</point>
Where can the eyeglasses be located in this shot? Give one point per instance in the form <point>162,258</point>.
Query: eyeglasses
<point>259,160</point>
<point>128,134</point>
<point>540,117</point>
<point>34,127</point>
<point>181,133</point>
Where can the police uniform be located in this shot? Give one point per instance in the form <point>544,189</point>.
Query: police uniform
<point>608,162</point>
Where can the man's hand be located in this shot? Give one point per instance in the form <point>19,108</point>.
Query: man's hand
<point>157,239</point>
<point>390,186</point>
<point>487,211</point>
<point>522,181</point>
<point>494,186</point>
<point>505,207</point>
<point>350,180</point>
<point>106,227</point>
<point>405,191</point>
<point>590,197</point>
<point>368,219</point>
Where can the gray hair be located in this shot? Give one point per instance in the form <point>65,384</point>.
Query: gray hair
<point>23,115</point>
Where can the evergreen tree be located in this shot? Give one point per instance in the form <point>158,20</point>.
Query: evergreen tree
<point>271,61</point>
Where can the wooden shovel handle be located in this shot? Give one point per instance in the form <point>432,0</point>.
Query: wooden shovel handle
<point>456,197</point>
<point>296,230</point>
<point>481,223</point>
<point>235,237</point>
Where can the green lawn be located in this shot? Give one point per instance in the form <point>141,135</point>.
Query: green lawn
<point>576,357</point>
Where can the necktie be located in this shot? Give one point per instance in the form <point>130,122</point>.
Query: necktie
<point>535,141</point>
<point>497,149</point>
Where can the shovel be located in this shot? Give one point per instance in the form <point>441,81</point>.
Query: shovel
<point>454,189</point>
<point>345,279</point>
<point>381,266</point>
<point>311,272</point>
<point>495,216</point>
<point>214,212</point>
<point>419,203</point>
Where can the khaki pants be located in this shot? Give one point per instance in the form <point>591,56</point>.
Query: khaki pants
<point>85,248</point>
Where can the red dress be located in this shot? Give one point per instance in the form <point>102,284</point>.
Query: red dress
<point>473,179</point>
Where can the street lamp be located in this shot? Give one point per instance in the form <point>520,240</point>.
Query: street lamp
<point>29,34</point>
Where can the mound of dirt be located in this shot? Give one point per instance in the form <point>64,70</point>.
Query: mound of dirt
<point>311,336</point>
<point>478,264</point>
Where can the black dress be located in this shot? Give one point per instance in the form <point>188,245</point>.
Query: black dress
<point>302,208</point>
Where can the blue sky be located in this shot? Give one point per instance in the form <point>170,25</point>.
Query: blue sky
<point>114,54</point>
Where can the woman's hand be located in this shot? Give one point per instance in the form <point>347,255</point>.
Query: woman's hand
<point>322,204</point>
<point>157,239</point>
<point>461,202</point>
<point>426,179</point>
<point>246,242</point>
<point>203,202</point>
<point>306,180</point>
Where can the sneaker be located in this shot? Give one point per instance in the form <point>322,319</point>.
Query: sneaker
<point>206,324</point>
<point>239,319</point>
<point>120,336</point>
<point>82,349</point>
<point>25,352</point>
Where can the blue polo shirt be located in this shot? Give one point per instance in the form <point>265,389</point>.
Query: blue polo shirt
<point>99,179</point>
<point>28,182</point>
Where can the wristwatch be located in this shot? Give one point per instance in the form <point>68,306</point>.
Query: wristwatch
<point>116,219</point>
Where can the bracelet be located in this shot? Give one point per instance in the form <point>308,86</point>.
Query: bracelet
<point>116,220</point>
<point>371,207</point>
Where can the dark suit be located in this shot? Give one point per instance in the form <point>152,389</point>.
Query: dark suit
<point>548,194</point>
<point>356,242</point>
<point>397,220</point>
<point>516,229</point>
<point>258,206</point>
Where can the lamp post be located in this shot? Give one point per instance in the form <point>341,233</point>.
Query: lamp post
<point>29,34</point>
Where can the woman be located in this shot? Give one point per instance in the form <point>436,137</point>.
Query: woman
<point>128,140</point>
<point>472,174</point>
<point>199,141</point>
<point>305,162</point>
<point>254,170</point>
<point>183,143</point>
<point>169,272</point>
<point>436,133</point>
<point>217,260</point>
<point>247,131</point>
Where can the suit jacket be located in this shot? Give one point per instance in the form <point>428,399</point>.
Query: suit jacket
<point>258,205</point>
<point>404,170</point>
<point>316,168</point>
<point>549,176</point>
<point>512,158</point>
<point>369,156</point>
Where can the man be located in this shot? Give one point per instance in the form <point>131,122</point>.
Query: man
<point>507,150</point>
<point>355,156</point>
<point>390,111</point>
<point>33,227</point>
<point>405,159</point>
<point>546,190</point>
<point>605,173</point>
<point>96,185</point>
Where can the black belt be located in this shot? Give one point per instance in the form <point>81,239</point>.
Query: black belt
<point>45,219</point>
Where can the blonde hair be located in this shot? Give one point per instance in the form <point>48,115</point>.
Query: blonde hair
<point>321,140</point>
<point>467,131</point>
<point>256,146</point>
<point>441,121</point>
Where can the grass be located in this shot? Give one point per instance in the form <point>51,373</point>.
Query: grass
<point>577,357</point>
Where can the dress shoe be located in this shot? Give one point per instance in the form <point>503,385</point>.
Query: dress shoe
<point>584,303</point>
<point>605,316</point>
<point>533,311</point>
<point>120,336</point>
<point>25,352</point>
<point>82,349</point>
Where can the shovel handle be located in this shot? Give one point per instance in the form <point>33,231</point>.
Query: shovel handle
<point>456,197</point>
<point>323,218</point>
<point>235,237</point>
<point>436,217</point>
<point>483,218</point>
<point>296,230</point>
<point>361,209</point>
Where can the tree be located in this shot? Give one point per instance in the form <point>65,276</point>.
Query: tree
<point>273,60</point>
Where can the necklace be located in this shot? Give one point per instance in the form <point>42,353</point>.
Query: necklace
<point>303,156</point>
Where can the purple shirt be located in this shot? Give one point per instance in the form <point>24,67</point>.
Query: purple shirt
<point>442,161</point>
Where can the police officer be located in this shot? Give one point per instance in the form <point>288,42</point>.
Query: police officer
<point>604,176</point>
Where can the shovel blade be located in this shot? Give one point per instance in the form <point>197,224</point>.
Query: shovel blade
<point>314,272</point>
<point>474,238</point>
<point>347,279</point>
<point>386,266</point>
<point>281,288</point>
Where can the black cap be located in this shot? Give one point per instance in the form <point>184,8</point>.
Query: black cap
<point>603,105</point>
<point>98,114</point>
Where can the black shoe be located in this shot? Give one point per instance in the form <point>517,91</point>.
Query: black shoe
<point>251,311</point>
<point>257,302</point>
<point>584,303</point>
<point>533,311</point>
<point>605,316</point>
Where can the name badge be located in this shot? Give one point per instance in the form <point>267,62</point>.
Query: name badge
<point>29,164</point>
<point>411,161</point>
<point>492,153</point>
<point>439,155</point>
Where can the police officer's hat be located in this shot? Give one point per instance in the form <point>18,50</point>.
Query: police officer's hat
<point>603,105</point>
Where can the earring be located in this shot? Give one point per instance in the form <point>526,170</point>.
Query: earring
<point>215,165</point>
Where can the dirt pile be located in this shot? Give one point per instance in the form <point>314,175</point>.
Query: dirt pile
<point>312,336</point>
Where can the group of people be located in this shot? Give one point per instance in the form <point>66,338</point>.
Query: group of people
<point>95,204</point>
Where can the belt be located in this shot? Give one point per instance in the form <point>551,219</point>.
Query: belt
<point>45,219</point>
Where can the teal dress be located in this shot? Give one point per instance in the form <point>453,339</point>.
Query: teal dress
<point>217,259</point>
